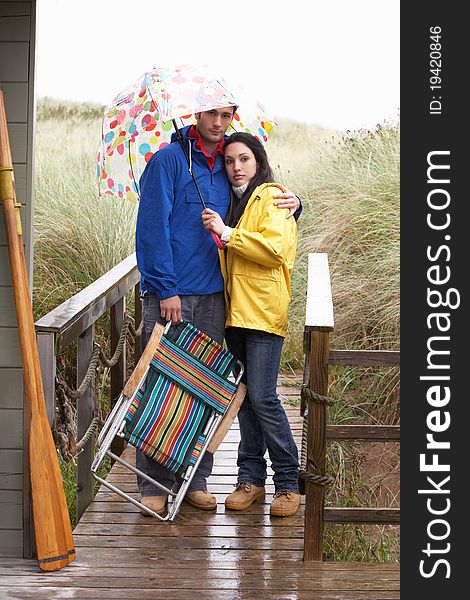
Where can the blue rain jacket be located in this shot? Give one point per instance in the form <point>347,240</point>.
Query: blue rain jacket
<point>176,256</point>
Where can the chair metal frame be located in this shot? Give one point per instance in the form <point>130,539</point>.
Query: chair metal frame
<point>115,425</point>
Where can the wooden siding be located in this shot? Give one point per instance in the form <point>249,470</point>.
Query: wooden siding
<point>17,59</point>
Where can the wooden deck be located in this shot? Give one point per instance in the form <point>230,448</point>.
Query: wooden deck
<point>212,556</point>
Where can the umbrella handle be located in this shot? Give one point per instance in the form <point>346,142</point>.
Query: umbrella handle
<point>217,241</point>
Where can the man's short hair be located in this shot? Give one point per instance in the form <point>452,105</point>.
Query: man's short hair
<point>235,108</point>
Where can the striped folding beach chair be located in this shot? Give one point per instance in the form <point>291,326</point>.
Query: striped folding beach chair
<point>175,410</point>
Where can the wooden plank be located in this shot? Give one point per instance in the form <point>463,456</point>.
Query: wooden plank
<point>18,141</point>
<point>319,306</point>
<point>11,544</point>
<point>223,560</point>
<point>173,543</point>
<point>254,521</point>
<point>15,95</point>
<point>85,407</point>
<point>14,61</point>
<point>20,184</point>
<point>8,9</point>
<point>7,307</point>
<point>362,515</point>
<point>15,28</point>
<point>47,358</point>
<point>118,372</point>
<point>12,429</point>
<point>23,195</point>
<point>187,530</point>
<point>3,240</point>
<point>258,570</point>
<point>364,358</point>
<point>226,518</point>
<point>71,318</point>
<point>11,384</point>
<point>11,469</point>
<point>16,593</point>
<point>368,433</point>
<point>10,356</point>
<point>5,277</point>
<point>274,582</point>
<point>11,509</point>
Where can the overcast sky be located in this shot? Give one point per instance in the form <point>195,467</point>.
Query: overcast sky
<point>334,63</point>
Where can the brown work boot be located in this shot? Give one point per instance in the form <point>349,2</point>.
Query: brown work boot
<point>285,504</point>
<point>243,496</point>
<point>155,503</point>
<point>201,499</point>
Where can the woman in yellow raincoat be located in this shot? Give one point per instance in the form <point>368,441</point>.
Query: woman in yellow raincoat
<point>260,245</point>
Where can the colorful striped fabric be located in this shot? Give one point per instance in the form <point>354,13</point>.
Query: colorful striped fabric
<point>201,346</point>
<point>193,376</point>
<point>186,382</point>
<point>165,422</point>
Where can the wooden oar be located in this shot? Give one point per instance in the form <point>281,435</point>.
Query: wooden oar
<point>53,531</point>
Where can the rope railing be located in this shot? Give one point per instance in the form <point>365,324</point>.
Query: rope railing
<point>63,428</point>
<point>306,395</point>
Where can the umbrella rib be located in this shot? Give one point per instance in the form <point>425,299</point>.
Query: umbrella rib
<point>102,156</point>
<point>132,170</point>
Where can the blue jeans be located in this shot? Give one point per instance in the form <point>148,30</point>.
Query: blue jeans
<point>207,313</point>
<point>263,421</point>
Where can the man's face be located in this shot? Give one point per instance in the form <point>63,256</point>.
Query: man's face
<point>212,124</point>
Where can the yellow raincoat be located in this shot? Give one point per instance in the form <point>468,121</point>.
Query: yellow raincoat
<point>256,265</point>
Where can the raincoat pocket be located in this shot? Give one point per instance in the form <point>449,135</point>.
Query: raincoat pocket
<point>214,199</point>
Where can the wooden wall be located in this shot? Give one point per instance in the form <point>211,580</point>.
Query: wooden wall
<point>17,60</point>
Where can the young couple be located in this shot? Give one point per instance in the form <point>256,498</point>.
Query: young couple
<point>241,293</point>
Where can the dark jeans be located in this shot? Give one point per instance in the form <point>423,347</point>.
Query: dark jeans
<point>207,313</point>
<point>263,421</point>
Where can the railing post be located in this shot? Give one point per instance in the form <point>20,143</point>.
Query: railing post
<point>85,407</point>
<point>316,447</point>
<point>137,320</point>
<point>47,358</point>
<point>319,322</point>
<point>118,372</point>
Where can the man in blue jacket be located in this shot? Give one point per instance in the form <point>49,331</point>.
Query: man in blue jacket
<point>178,260</point>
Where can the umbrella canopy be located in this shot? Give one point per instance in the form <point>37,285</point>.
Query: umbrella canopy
<point>139,121</point>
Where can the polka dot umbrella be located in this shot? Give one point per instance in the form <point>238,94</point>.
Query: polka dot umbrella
<point>139,121</point>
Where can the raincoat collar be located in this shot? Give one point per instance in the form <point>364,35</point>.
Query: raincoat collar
<point>194,133</point>
<point>190,132</point>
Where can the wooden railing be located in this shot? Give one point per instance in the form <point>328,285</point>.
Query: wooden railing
<point>74,320</point>
<point>318,325</point>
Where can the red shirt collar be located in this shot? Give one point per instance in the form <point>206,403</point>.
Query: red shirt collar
<point>194,133</point>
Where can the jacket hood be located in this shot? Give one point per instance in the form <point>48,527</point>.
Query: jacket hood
<point>184,134</point>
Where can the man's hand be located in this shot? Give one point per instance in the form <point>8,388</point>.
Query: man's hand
<point>170,309</point>
<point>212,221</point>
<point>287,200</point>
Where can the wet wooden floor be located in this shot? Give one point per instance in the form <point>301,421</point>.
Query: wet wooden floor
<point>209,556</point>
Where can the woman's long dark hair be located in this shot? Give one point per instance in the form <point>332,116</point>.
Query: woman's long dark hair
<point>264,174</point>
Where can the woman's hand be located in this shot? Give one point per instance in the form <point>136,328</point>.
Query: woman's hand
<point>287,200</point>
<point>212,221</point>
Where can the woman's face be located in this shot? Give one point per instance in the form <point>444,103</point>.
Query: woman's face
<point>240,164</point>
